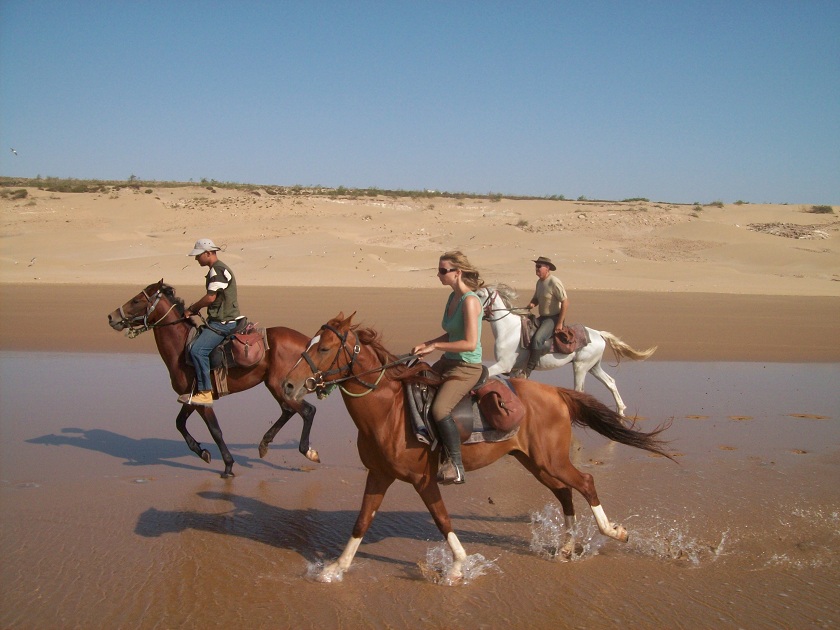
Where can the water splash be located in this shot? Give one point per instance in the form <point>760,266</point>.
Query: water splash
<point>548,535</point>
<point>315,572</point>
<point>660,540</point>
<point>435,568</point>
<point>671,543</point>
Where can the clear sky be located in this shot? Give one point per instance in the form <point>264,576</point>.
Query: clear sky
<point>674,101</point>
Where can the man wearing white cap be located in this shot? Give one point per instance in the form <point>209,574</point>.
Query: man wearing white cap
<point>222,313</point>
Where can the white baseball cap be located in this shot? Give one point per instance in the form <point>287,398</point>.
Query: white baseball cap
<point>204,245</point>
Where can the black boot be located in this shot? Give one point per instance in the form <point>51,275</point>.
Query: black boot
<point>451,471</point>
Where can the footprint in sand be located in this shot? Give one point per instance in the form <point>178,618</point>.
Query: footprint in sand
<point>697,417</point>
<point>807,416</point>
<point>724,447</point>
<point>740,418</point>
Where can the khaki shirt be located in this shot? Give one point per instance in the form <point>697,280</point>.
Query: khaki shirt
<point>548,295</point>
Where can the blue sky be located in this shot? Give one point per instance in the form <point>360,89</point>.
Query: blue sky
<point>674,101</point>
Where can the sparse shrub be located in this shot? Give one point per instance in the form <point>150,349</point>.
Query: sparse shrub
<point>20,193</point>
<point>637,199</point>
<point>697,207</point>
<point>716,204</point>
<point>582,198</point>
<point>741,203</point>
<point>148,191</point>
<point>522,223</point>
<point>822,210</point>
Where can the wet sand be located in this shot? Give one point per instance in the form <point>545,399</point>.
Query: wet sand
<point>684,326</point>
<point>109,521</point>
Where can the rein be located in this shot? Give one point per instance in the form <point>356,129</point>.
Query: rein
<point>316,382</point>
<point>489,310</point>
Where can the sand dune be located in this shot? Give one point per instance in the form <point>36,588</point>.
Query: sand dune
<point>129,235</point>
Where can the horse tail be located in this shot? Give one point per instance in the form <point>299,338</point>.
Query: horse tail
<point>622,349</point>
<point>589,412</point>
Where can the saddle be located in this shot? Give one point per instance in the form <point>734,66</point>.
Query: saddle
<point>491,412</point>
<point>243,348</point>
<point>568,340</point>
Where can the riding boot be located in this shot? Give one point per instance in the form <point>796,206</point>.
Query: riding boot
<point>451,471</point>
<point>533,359</point>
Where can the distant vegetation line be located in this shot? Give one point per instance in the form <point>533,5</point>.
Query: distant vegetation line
<point>73,185</point>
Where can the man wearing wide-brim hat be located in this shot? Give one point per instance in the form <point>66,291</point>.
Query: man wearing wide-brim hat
<point>550,296</point>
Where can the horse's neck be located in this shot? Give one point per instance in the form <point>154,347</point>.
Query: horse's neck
<point>505,323</point>
<point>373,410</point>
<point>171,340</point>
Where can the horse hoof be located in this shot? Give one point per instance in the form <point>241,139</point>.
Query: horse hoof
<point>205,455</point>
<point>227,474</point>
<point>621,534</point>
<point>263,450</point>
<point>312,455</point>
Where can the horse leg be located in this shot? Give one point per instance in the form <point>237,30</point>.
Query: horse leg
<point>429,491</point>
<point>598,372</point>
<point>564,495</point>
<point>375,488</point>
<point>308,414</point>
<point>268,438</point>
<point>585,484</point>
<point>216,432</point>
<point>181,425</point>
<point>565,474</point>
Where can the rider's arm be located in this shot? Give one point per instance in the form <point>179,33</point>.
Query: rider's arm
<point>562,318</point>
<point>207,300</point>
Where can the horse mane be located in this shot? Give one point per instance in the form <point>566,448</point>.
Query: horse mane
<point>507,293</point>
<point>373,339</point>
<point>169,292</point>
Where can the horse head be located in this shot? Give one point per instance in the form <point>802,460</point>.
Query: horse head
<point>327,357</point>
<point>136,313</point>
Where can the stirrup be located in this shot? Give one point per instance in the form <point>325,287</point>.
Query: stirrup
<point>449,473</point>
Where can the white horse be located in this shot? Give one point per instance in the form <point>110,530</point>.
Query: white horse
<point>506,324</point>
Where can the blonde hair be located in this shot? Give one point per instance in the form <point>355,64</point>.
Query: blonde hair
<point>469,274</point>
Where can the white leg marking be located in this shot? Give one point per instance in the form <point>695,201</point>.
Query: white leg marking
<point>568,548</point>
<point>334,571</point>
<point>607,528</point>
<point>458,557</point>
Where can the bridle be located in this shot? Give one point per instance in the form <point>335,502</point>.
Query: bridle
<point>139,324</point>
<point>487,305</point>
<point>318,383</point>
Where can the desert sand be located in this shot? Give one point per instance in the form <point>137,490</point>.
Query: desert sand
<point>129,235</point>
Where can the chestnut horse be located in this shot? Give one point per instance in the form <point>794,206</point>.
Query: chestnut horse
<point>371,381</point>
<point>157,308</point>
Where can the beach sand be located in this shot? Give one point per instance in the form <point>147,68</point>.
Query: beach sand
<point>109,521</point>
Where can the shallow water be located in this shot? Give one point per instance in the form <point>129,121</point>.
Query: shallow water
<point>109,521</point>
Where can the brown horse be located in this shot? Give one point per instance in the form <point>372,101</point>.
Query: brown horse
<point>372,387</point>
<point>157,308</point>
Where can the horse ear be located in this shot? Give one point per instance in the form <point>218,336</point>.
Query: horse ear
<point>160,284</point>
<point>350,317</point>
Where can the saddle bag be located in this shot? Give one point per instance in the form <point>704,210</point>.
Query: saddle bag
<point>246,347</point>
<point>500,404</point>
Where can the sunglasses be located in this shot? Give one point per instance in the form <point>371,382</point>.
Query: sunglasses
<point>443,272</point>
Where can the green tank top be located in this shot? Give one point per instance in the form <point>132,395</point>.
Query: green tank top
<point>454,326</point>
